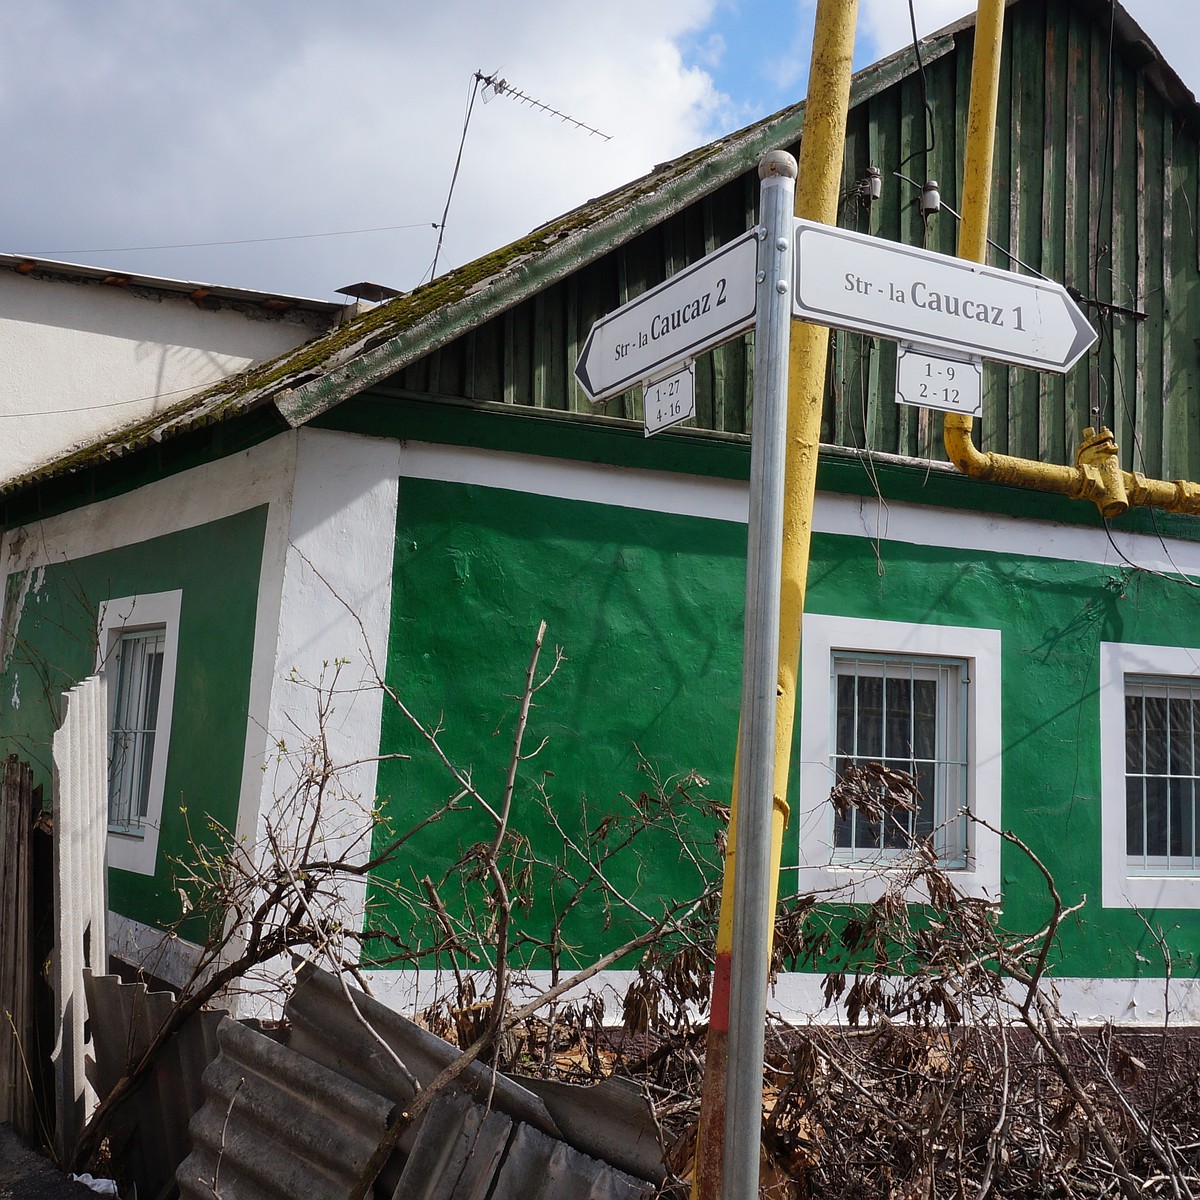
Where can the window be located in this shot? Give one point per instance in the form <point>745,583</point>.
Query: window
<point>1150,764</point>
<point>136,650</point>
<point>133,724</point>
<point>1162,727</point>
<point>906,714</point>
<point>919,699</point>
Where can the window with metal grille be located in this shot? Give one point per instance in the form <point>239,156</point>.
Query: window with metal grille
<point>1162,765</point>
<point>134,725</point>
<point>907,713</point>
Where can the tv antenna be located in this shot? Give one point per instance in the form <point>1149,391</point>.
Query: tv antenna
<point>493,86</point>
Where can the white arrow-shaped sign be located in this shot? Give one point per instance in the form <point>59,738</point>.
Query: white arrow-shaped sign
<point>699,308</point>
<point>871,285</point>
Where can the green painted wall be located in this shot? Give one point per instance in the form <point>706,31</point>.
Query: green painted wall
<point>216,566</point>
<point>648,610</point>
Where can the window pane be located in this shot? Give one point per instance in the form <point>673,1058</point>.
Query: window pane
<point>905,713</point>
<point>898,722</point>
<point>1134,733</point>
<point>925,718</point>
<point>869,717</point>
<point>1134,840</point>
<point>1155,710</point>
<point>1156,815</point>
<point>844,724</point>
<point>1162,755</point>
<point>1181,809</point>
<point>139,668</point>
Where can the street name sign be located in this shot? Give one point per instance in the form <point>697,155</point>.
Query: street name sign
<point>696,309</point>
<point>669,400</point>
<point>871,285</point>
<point>928,380</point>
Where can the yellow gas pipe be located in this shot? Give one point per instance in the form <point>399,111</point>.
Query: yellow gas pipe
<point>1096,475</point>
<point>817,189</point>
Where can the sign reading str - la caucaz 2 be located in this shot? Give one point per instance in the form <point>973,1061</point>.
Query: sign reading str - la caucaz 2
<point>871,285</point>
<point>696,309</point>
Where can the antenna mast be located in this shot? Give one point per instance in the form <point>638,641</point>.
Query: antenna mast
<point>495,87</point>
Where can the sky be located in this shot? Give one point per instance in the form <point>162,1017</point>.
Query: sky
<point>250,143</point>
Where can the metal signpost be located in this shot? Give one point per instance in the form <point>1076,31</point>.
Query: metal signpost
<point>869,285</point>
<point>745,284</point>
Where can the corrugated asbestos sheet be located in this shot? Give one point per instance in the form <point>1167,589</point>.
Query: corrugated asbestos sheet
<point>465,1152</point>
<point>277,1124</point>
<point>149,1135</point>
<point>329,1024</point>
<point>80,807</point>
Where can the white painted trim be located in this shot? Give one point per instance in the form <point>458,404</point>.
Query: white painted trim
<point>797,996</point>
<point>137,851</point>
<point>853,516</point>
<point>334,615</point>
<point>621,487</point>
<point>980,648</point>
<point>166,956</point>
<point>266,644</point>
<point>1120,889</point>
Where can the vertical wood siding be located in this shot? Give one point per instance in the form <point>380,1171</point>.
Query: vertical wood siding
<point>1096,185</point>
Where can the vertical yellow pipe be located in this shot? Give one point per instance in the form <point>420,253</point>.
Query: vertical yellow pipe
<point>977,175</point>
<point>817,189</point>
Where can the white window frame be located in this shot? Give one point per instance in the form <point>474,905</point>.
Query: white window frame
<point>136,850</point>
<point>1120,887</point>
<point>979,649</point>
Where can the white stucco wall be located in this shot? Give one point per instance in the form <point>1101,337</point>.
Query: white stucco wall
<point>80,360</point>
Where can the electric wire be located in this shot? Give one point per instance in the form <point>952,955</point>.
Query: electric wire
<point>930,133</point>
<point>475,81</point>
<point>291,237</point>
<point>53,412</point>
<point>994,245</point>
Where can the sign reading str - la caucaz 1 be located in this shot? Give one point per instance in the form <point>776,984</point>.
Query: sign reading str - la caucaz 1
<point>871,285</point>
<point>697,308</point>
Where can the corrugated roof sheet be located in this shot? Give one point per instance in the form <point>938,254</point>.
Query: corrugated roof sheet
<point>275,1125</point>
<point>148,1135</point>
<point>465,1152</point>
<point>336,1031</point>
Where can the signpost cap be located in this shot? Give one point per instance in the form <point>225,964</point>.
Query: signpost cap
<point>776,162</point>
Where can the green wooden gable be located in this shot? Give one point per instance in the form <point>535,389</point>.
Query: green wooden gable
<point>1095,186</point>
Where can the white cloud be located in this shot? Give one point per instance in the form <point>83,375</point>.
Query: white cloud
<point>138,123</point>
<point>141,124</point>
